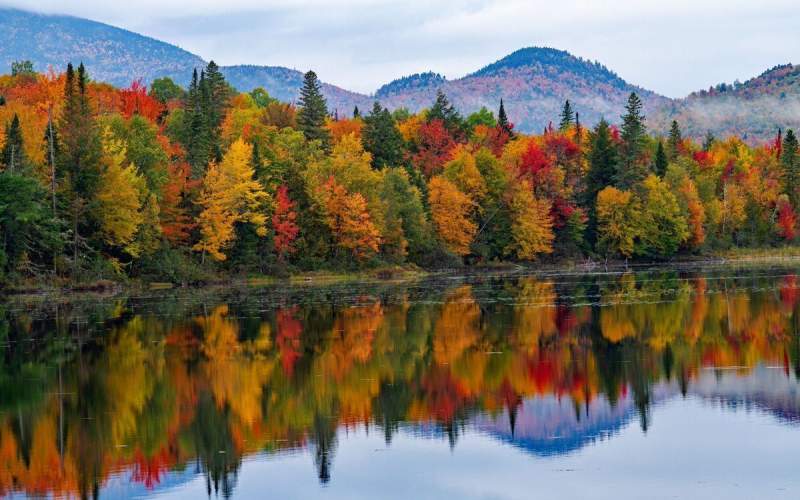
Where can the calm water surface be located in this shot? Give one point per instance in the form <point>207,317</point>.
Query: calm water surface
<point>679,384</point>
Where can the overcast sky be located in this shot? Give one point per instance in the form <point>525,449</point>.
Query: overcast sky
<point>670,46</point>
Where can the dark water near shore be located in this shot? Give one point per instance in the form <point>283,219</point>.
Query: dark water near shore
<point>660,384</point>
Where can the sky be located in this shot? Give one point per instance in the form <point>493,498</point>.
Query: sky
<point>670,46</point>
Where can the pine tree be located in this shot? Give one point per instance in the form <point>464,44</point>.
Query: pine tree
<point>708,141</point>
<point>382,139</point>
<point>790,160</point>
<point>443,110</point>
<point>502,120</point>
<point>675,140</point>
<point>216,94</point>
<point>12,157</point>
<point>603,159</point>
<point>313,111</point>
<point>356,112</point>
<point>661,161</point>
<point>79,163</point>
<point>196,138</point>
<point>567,117</point>
<point>578,129</point>
<point>630,169</point>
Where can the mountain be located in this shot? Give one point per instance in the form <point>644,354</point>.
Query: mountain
<point>753,110</point>
<point>533,82</point>
<point>110,54</point>
<point>118,56</point>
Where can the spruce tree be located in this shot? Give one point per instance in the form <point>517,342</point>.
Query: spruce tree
<point>12,157</point>
<point>567,117</point>
<point>216,94</point>
<point>708,141</point>
<point>502,120</point>
<point>79,163</point>
<point>356,112</point>
<point>790,161</point>
<point>661,162</point>
<point>382,138</point>
<point>630,169</point>
<point>603,159</point>
<point>675,140</point>
<point>578,129</point>
<point>313,111</point>
<point>196,135</point>
<point>443,110</point>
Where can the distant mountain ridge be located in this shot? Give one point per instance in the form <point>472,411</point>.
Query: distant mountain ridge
<point>533,81</point>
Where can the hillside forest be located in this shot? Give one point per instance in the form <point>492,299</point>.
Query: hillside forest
<point>184,185</point>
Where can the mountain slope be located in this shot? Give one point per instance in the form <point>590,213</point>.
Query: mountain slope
<point>753,110</point>
<point>110,54</point>
<point>533,82</point>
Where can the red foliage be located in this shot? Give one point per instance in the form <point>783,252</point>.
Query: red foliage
<point>176,221</point>
<point>283,222</point>
<point>788,291</point>
<point>135,101</point>
<point>534,162</point>
<point>702,158</point>
<point>786,220</point>
<point>434,144</point>
<point>288,339</point>
<point>562,148</point>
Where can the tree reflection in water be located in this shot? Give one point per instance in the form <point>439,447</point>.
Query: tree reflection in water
<point>151,386</point>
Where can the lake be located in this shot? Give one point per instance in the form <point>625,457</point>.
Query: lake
<point>650,384</point>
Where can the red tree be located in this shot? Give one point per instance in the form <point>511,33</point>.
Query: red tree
<point>283,222</point>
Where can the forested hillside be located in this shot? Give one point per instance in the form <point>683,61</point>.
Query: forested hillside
<point>190,184</point>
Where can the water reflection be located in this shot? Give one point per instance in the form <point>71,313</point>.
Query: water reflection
<point>157,390</point>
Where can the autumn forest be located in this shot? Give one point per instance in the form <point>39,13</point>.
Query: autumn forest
<point>163,183</point>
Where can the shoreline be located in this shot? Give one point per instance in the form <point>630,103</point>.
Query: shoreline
<point>401,274</point>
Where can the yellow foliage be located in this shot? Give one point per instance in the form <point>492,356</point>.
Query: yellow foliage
<point>230,195</point>
<point>616,215</point>
<point>532,227</point>
<point>450,210</point>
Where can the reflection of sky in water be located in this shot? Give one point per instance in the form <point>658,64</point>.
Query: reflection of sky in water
<point>731,436</point>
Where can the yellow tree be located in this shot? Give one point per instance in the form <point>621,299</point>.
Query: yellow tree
<point>349,220</point>
<point>119,198</point>
<point>531,227</point>
<point>450,209</point>
<point>616,221</point>
<point>230,195</point>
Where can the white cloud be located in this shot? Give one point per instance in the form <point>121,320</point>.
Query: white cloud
<point>670,47</point>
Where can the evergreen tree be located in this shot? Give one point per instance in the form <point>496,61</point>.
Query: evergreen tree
<point>356,112</point>
<point>12,157</point>
<point>443,110</point>
<point>578,128</point>
<point>567,117</point>
<point>313,111</point>
<point>790,160</point>
<point>630,169</point>
<point>661,161</point>
<point>674,141</point>
<point>603,159</point>
<point>708,141</point>
<point>216,94</point>
<point>196,140</point>
<point>382,139</point>
<point>502,120</point>
<point>79,164</point>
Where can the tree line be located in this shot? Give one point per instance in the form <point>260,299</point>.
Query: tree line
<point>182,184</point>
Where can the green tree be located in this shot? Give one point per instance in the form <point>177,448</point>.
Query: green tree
<point>660,163</point>
<point>663,226</point>
<point>567,117</point>
<point>313,111</point>
<point>12,156</point>
<point>443,110</point>
<point>502,120</point>
<point>22,68</point>
<point>603,159</point>
<point>675,140</point>
<point>630,169</point>
<point>790,161</point>
<point>708,141</point>
<point>382,139</point>
<point>28,233</point>
<point>79,165</point>
<point>481,117</point>
<point>165,90</point>
<point>261,97</point>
